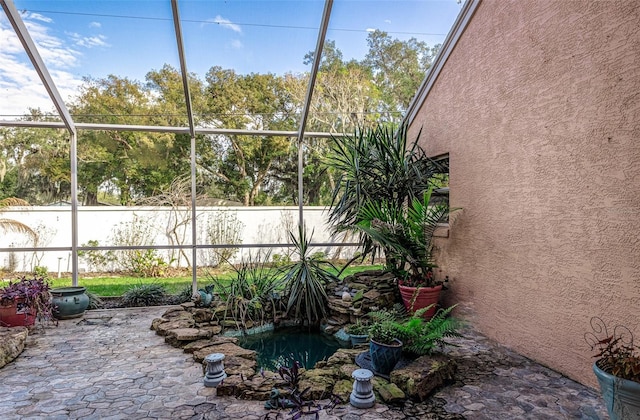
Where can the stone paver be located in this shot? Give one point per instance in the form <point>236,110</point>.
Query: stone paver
<point>119,369</point>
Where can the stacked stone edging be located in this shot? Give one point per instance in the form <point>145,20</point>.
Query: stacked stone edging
<point>12,341</point>
<point>196,330</point>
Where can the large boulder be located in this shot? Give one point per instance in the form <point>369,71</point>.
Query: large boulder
<point>12,342</point>
<point>420,377</point>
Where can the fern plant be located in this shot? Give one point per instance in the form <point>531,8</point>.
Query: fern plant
<point>422,337</point>
<point>418,335</point>
<point>385,326</point>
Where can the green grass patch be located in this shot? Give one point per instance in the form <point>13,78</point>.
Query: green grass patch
<point>117,286</point>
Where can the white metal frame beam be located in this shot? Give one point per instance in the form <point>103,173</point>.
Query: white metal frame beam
<point>166,129</point>
<point>192,132</point>
<point>322,33</point>
<point>30,48</point>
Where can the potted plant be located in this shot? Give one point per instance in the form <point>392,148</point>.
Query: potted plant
<point>24,301</point>
<point>358,333</point>
<point>385,348</point>
<point>407,236</point>
<point>377,165</point>
<point>617,369</point>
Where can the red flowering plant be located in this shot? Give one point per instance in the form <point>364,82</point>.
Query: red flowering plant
<point>31,293</point>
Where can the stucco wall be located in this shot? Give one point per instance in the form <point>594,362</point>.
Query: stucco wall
<point>538,107</point>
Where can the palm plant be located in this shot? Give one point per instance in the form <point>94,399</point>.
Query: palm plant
<point>10,225</point>
<point>376,165</point>
<point>305,280</point>
<point>405,234</point>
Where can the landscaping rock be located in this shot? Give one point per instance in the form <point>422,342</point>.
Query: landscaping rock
<point>319,381</point>
<point>213,341</point>
<point>179,336</point>
<point>163,328</point>
<point>420,377</point>
<point>212,329</point>
<point>201,315</point>
<point>345,371</point>
<point>389,392</point>
<point>343,357</point>
<point>259,387</point>
<point>12,342</point>
<point>228,349</point>
<point>231,386</point>
<point>343,389</point>
<point>234,365</point>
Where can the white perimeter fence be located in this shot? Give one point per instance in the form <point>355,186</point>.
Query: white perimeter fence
<point>164,228</point>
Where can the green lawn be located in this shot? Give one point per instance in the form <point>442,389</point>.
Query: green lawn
<point>116,286</point>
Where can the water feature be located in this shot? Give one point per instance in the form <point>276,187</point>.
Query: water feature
<point>284,346</point>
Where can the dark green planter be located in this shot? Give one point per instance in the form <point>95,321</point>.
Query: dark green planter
<point>384,356</point>
<point>621,396</point>
<point>69,302</point>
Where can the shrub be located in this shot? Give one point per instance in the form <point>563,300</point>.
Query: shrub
<point>251,293</point>
<point>223,228</point>
<point>147,263</point>
<point>145,295</point>
<point>97,260</point>
<point>94,300</point>
<point>422,336</point>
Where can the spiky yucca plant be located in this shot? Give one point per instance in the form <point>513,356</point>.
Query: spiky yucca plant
<point>305,281</point>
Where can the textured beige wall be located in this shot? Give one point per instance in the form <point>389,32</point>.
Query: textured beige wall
<point>539,109</point>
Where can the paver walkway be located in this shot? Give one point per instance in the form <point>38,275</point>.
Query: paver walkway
<point>110,365</point>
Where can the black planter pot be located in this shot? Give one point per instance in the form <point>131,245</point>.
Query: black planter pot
<point>385,356</point>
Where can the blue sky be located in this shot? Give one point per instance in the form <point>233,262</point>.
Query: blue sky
<point>80,38</point>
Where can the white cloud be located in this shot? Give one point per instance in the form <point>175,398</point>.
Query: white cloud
<point>95,25</point>
<point>88,41</point>
<point>20,85</point>
<point>387,21</point>
<point>371,29</point>
<point>37,16</point>
<point>237,44</point>
<point>226,23</point>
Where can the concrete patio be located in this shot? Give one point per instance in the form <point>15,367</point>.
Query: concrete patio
<point>110,365</point>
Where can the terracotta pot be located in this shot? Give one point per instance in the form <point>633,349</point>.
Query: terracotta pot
<point>16,315</point>
<point>415,298</point>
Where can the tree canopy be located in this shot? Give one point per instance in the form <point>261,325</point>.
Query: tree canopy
<point>126,167</point>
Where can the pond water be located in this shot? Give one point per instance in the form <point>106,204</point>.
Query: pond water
<point>284,346</point>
